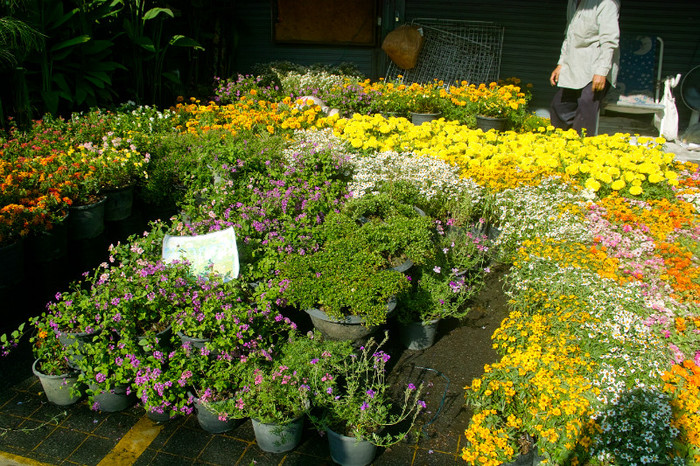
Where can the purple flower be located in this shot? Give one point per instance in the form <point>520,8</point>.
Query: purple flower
<point>370,393</point>
<point>421,403</point>
<point>411,386</point>
<point>364,406</point>
<point>100,377</point>
<point>436,269</point>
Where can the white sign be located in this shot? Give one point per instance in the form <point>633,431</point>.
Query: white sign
<point>213,252</point>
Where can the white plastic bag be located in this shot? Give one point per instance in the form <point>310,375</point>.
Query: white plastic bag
<point>668,123</point>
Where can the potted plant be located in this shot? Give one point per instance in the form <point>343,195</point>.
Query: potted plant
<point>493,104</point>
<point>108,367</point>
<point>276,393</point>
<point>224,315</point>
<point>74,317</point>
<point>162,383</point>
<point>425,102</point>
<point>442,289</point>
<point>346,288</point>
<point>214,382</point>
<point>118,166</point>
<point>140,298</point>
<point>57,377</point>
<point>357,409</point>
<point>386,223</point>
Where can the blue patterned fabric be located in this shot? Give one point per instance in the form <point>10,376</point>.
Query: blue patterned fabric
<point>637,65</point>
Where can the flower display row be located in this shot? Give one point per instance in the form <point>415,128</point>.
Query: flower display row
<point>601,235</point>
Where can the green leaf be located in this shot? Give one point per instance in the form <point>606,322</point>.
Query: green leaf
<point>70,42</point>
<point>172,77</point>
<point>101,75</point>
<point>80,94</point>
<point>96,46</point>
<point>145,43</point>
<point>96,81</point>
<point>108,66</point>
<point>61,82</point>
<point>153,12</point>
<point>59,18</point>
<point>50,99</point>
<point>182,41</point>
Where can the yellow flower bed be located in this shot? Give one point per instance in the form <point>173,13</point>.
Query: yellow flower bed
<point>542,380</point>
<point>251,114</point>
<point>502,160</point>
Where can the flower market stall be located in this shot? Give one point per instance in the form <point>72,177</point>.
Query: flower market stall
<point>600,238</point>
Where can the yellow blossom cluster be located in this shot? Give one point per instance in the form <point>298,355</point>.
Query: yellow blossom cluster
<point>542,380</point>
<point>252,114</point>
<point>501,160</point>
<point>492,100</point>
<point>493,442</point>
<point>682,383</point>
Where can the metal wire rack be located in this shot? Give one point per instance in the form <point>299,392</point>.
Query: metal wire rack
<point>455,51</point>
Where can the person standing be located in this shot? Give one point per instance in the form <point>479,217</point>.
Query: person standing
<point>588,64</point>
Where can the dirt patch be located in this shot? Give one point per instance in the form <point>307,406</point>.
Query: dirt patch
<point>458,356</point>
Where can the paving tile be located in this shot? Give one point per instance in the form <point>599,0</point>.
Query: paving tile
<point>50,412</point>
<point>399,455</point>
<point>26,434</point>
<point>29,384</point>
<point>187,443</point>
<point>22,405</point>
<point>313,445</point>
<point>243,431</point>
<point>92,450</point>
<point>168,430</point>
<point>60,444</point>
<point>82,419</point>
<point>167,459</point>
<point>295,458</point>
<point>146,457</point>
<point>115,425</point>
<point>434,458</point>
<point>258,457</point>
<point>223,450</point>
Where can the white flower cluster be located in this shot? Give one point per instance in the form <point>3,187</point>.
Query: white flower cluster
<point>296,83</point>
<point>636,429</point>
<point>632,352</point>
<point>315,139</point>
<point>431,176</point>
<point>526,213</point>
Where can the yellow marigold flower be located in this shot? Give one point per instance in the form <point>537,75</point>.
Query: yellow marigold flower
<point>618,184</point>
<point>592,184</point>
<point>636,190</point>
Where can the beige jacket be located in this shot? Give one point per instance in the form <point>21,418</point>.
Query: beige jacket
<point>591,44</point>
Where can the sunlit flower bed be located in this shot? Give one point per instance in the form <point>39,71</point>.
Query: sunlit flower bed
<point>603,238</point>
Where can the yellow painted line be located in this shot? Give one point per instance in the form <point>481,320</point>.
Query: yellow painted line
<point>133,444</point>
<point>8,459</point>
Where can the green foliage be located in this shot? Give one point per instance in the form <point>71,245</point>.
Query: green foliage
<point>386,225</point>
<point>48,349</point>
<point>444,287</point>
<point>107,362</point>
<point>144,24</point>
<point>277,390</point>
<point>356,399</point>
<point>162,382</point>
<point>341,279</point>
